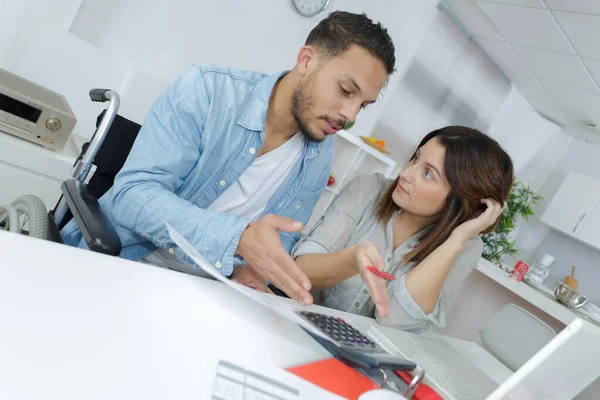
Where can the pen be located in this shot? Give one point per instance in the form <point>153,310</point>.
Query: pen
<point>381,274</point>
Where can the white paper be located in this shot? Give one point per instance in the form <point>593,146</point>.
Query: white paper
<point>266,300</point>
<point>240,380</point>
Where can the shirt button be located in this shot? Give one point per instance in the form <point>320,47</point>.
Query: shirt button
<point>222,182</point>
<point>298,206</point>
<point>365,291</point>
<point>357,304</point>
<point>171,251</point>
<point>218,264</point>
<point>389,259</point>
<point>252,150</point>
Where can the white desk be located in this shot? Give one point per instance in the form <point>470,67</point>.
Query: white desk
<point>77,324</point>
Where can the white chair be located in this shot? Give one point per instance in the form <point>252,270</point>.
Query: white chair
<point>514,335</point>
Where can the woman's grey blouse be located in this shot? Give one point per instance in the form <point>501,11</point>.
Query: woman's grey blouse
<point>350,219</point>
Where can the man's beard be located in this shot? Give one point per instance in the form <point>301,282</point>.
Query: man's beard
<point>301,103</point>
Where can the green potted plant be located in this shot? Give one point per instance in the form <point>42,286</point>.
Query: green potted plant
<point>520,204</point>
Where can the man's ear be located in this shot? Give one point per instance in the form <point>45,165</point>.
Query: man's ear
<point>307,59</point>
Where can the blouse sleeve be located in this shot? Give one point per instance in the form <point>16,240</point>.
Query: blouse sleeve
<point>407,315</point>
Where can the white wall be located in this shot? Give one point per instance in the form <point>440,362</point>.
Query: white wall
<point>449,81</point>
<point>535,146</point>
<point>522,132</point>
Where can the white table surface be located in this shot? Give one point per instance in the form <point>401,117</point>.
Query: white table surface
<point>77,324</point>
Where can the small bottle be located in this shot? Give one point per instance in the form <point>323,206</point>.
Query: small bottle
<point>540,271</point>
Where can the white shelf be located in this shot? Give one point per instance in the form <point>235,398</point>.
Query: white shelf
<point>534,296</point>
<point>357,141</point>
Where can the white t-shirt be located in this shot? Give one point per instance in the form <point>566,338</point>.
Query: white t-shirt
<point>249,195</point>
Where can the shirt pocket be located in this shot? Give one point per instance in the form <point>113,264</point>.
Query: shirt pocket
<point>312,187</point>
<point>303,204</point>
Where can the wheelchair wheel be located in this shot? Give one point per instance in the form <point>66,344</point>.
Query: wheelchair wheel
<point>32,218</point>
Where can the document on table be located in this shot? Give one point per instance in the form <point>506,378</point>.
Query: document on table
<point>234,380</point>
<point>262,298</point>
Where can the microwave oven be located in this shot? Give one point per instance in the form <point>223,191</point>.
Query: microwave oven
<point>34,113</point>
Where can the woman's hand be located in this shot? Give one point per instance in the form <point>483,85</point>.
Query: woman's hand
<point>469,229</point>
<point>365,254</point>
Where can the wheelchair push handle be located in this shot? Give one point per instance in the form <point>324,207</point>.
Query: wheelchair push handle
<point>100,95</point>
<point>83,166</point>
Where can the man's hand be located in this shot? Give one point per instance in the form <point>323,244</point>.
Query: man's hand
<point>261,248</point>
<point>244,275</point>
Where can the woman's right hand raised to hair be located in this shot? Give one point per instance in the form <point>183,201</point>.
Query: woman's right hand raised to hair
<point>473,227</point>
<point>364,255</point>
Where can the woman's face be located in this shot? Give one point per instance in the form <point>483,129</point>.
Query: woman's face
<point>422,188</point>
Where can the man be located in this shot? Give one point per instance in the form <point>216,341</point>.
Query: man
<point>236,160</point>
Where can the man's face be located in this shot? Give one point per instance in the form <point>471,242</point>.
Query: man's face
<point>332,94</point>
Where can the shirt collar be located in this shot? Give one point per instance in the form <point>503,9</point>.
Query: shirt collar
<point>255,113</point>
<point>412,242</point>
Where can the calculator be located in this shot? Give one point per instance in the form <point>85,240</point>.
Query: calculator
<point>341,332</point>
<point>351,346</point>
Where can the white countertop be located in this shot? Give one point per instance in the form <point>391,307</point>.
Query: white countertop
<point>537,297</point>
<point>33,157</point>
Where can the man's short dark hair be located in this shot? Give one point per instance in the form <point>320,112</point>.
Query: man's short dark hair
<point>340,30</point>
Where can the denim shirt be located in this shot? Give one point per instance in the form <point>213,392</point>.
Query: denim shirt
<point>200,135</point>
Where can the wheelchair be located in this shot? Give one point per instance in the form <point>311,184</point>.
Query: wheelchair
<point>107,150</point>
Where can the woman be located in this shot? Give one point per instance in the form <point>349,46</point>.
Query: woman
<point>422,228</point>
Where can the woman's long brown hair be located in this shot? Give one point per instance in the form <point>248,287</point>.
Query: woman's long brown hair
<point>476,167</point>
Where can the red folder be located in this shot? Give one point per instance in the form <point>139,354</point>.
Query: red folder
<point>333,375</point>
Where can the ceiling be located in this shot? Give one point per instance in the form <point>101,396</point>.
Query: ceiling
<point>549,49</point>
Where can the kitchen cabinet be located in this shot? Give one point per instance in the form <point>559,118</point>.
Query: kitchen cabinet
<point>574,209</point>
<point>590,233</point>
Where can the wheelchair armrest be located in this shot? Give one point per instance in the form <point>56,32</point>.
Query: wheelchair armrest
<point>98,232</point>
